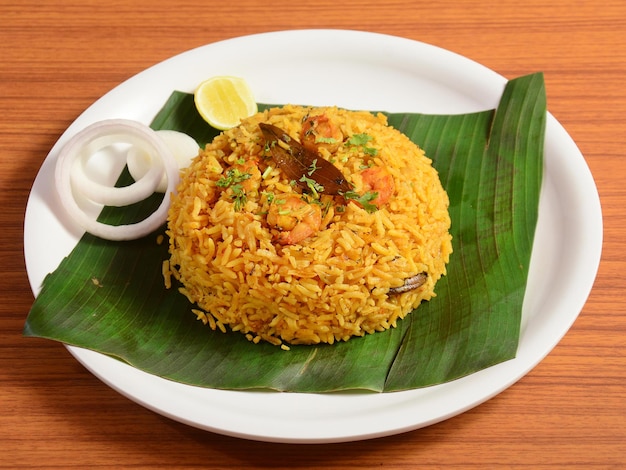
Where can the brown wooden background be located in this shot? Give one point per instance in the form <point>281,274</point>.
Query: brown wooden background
<point>56,58</point>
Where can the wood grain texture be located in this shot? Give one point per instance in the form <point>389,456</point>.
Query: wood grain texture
<point>57,58</point>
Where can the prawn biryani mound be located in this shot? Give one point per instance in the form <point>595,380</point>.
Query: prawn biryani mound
<point>308,225</point>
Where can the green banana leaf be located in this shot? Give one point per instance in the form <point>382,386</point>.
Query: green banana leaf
<point>109,296</point>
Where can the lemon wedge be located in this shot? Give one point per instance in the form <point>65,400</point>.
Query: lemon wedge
<point>224,101</point>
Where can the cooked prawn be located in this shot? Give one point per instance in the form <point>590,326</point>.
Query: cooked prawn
<point>377,179</point>
<point>251,168</point>
<point>319,131</point>
<point>296,219</point>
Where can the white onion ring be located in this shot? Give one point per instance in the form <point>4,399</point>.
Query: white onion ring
<point>134,132</point>
<point>183,147</point>
<point>111,195</point>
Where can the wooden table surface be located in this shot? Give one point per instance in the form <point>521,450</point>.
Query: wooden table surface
<point>57,58</point>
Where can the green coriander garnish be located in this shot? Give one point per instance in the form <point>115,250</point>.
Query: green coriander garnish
<point>312,167</point>
<point>361,140</point>
<point>239,196</point>
<point>233,179</point>
<point>269,196</point>
<point>363,199</point>
<point>313,185</point>
<point>233,176</point>
<point>325,140</point>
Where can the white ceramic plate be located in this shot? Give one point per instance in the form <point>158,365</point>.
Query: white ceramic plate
<point>349,69</point>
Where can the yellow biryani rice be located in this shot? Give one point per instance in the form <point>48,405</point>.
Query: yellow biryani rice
<point>233,256</point>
